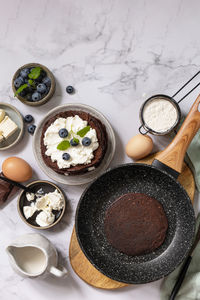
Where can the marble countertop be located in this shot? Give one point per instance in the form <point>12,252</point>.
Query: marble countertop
<point>116,54</point>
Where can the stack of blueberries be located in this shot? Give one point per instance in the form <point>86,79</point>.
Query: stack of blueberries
<point>37,90</point>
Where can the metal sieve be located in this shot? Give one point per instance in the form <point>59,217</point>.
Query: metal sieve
<point>145,126</point>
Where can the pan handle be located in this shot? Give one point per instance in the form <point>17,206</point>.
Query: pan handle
<point>173,155</point>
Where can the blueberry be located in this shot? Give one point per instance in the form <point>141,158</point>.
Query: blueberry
<point>47,81</point>
<point>18,82</point>
<point>28,118</point>
<point>41,88</point>
<point>63,133</point>
<point>24,73</point>
<point>74,142</point>
<point>23,93</point>
<point>39,79</point>
<point>86,141</point>
<point>31,129</point>
<point>66,156</point>
<point>42,75</point>
<point>48,89</point>
<point>36,97</point>
<point>29,97</point>
<point>70,89</point>
<point>30,90</point>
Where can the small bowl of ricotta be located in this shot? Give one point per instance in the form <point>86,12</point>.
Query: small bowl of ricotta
<point>159,115</point>
<point>43,208</point>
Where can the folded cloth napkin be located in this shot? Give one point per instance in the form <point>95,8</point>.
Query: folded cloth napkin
<point>190,289</point>
<point>193,158</point>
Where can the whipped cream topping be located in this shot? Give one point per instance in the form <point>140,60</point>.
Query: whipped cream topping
<point>79,154</point>
<point>46,203</point>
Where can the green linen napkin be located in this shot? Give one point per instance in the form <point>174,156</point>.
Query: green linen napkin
<point>193,158</point>
<point>190,289</point>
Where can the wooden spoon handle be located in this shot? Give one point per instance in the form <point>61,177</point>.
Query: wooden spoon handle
<point>173,155</point>
<point>19,185</point>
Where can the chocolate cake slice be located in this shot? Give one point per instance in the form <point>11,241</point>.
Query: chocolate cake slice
<point>99,153</point>
<point>135,224</point>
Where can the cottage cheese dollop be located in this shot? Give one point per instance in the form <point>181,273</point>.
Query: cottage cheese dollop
<point>46,204</point>
<point>50,201</point>
<point>79,154</point>
<point>29,210</point>
<point>45,218</point>
<point>30,196</point>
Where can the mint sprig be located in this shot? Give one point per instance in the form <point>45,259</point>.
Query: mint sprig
<point>75,140</point>
<point>35,73</point>
<point>64,145</point>
<point>83,131</point>
<point>21,88</point>
<point>30,81</point>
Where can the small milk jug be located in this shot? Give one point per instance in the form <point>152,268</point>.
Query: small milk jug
<point>33,255</point>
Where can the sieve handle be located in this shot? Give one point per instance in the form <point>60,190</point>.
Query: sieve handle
<point>174,154</point>
<point>143,132</point>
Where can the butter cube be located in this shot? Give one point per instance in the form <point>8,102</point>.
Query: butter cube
<point>7,127</point>
<point>2,114</point>
<point>1,136</point>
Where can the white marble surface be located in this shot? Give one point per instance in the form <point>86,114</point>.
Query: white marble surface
<point>116,54</point>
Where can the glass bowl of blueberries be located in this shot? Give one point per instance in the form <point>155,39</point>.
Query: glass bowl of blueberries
<point>33,84</point>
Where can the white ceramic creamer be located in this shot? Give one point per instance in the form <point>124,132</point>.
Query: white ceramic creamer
<point>33,255</point>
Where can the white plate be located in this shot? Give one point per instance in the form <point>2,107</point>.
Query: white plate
<point>15,115</point>
<point>74,179</point>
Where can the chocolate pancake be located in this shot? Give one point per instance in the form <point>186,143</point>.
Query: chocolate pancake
<point>135,224</point>
<point>98,153</point>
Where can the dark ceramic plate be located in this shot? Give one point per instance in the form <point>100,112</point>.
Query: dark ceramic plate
<point>47,187</point>
<point>135,178</point>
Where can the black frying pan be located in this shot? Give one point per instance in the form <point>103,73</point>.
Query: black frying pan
<point>158,181</point>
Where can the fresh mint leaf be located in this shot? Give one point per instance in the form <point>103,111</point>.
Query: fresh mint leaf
<point>35,73</point>
<point>21,88</point>
<point>30,81</point>
<point>83,131</point>
<point>64,145</point>
<point>75,140</point>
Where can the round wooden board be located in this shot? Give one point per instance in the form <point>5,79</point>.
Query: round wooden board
<point>86,271</point>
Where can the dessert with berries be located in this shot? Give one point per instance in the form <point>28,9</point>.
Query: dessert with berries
<point>73,142</point>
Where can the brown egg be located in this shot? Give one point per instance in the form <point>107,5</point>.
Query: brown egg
<point>16,169</point>
<point>139,146</point>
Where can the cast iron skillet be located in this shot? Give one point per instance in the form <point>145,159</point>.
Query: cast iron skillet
<point>158,181</point>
